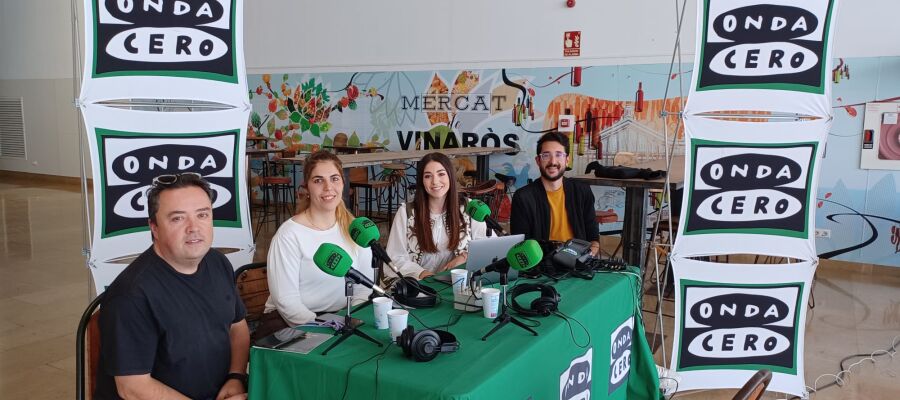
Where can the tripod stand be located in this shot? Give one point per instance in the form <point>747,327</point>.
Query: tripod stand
<point>377,265</point>
<point>504,318</point>
<point>349,329</point>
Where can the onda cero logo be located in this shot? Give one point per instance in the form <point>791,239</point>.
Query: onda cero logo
<point>764,44</point>
<point>334,259</point>
<point>620,354</point>
<point>750,188</point>
<point>130,162</point>
<point>164,37</point>
<point>733,325</point>
<point>575,381</point>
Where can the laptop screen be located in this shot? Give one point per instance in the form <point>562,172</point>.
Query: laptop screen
<point>483,252</point>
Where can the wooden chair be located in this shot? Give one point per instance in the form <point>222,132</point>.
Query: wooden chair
<point>253,287</point>
<point>89,326</point>
<point>755,386</point>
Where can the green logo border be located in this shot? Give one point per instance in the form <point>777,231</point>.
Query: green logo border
<point>793,87</point>
<point>102,133</point>
<point>685,283</point>
<point>759,231</point>
<point>233,78</point>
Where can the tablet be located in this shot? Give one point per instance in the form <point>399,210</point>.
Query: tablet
<point>281,338</point>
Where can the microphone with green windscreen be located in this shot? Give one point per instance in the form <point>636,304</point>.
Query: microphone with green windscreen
<point>333,260</point>
<point>477,210</point>
<point>365,233</point>
<point>525,255</point>
<point>521,257</point>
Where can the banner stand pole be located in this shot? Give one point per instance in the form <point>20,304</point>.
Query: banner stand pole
<point>86,230</point>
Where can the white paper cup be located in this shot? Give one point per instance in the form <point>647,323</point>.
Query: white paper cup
<point>382,305</point>
<point>491,299</point>
<point>459,277</point>
<point>397,322</point>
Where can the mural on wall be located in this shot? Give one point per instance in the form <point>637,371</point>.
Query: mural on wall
<point>465,108</point>
<point>857,217</point>
<point>404,110</point>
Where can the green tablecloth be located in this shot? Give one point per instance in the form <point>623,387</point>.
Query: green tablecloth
<point>511,364</point>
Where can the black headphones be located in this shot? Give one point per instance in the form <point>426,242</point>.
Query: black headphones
<point>407,290</point>
<point>425,345</point>
<point>546,304</point>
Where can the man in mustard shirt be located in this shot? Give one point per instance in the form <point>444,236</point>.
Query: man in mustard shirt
<point>555,208</point>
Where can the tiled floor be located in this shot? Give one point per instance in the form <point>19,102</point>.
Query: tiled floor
<point>44,288</point>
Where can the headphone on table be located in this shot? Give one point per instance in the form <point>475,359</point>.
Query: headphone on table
<point>547,303</point>
<point>407,290</point>
<point>425,345</point>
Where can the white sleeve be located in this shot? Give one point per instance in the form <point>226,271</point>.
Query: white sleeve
<point>364,265</point>
<point>398,247</point>
<point>479,230</point>
<point>284,280</point>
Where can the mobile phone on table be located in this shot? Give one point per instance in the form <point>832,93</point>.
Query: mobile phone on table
<point>339,318</point>
<point>281,338</point>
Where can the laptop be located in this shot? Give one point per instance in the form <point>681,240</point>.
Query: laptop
<point>483,252</point>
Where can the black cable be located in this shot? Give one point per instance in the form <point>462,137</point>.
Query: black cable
<point>377,367</point>
<point>347,376</point>
<point>572,330</point>
<point>453,320</point>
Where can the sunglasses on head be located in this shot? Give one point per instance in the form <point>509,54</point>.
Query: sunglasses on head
<point>171,179</point>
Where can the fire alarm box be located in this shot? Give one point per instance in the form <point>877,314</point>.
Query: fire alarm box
<point>566,123</point>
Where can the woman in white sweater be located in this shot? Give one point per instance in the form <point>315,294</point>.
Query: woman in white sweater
<point>298,289</point>
<point>434,234</point>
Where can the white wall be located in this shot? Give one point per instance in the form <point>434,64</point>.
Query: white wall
<point>358,35</point>
<point>314,35</point>
<point>36,64</point>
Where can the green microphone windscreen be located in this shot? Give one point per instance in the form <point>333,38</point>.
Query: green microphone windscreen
<point>332,260</point>
<point>524,255</point>
<point>363,231</point>
<point>478,210</point>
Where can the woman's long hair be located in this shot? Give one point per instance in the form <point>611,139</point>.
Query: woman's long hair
<point>341,213</point>
<point>422,225</point>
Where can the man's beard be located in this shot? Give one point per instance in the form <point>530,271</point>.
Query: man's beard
<point>547,176</point>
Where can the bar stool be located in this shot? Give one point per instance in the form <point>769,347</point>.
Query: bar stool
<point>395,174</point>
<point>489,191</point>
<point>359,179</point>
<point>282,194</point>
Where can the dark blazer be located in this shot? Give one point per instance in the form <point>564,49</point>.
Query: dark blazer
<point>530,213</point>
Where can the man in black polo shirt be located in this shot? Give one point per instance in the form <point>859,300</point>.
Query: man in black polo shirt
<point>172,325</point>
<point>553,207</point>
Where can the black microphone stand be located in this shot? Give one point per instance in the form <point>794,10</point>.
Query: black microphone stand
<point>494,226</point>
<point>504,318</point>
<point>377,265</point>
<point>348,329</point>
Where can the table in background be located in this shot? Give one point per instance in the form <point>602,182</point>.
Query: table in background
<point>354,149</point>
<point>259,153</point>
<point>254,139</point>
<point>511,364</point>
<point>377,158</point>
<point>634,227</point>
<point>482,154</point>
